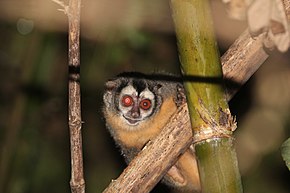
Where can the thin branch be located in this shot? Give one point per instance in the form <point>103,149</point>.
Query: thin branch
<point>72,11</point>
<point>77,182</point>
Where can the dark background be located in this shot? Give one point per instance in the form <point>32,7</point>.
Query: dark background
<point>117,36</point>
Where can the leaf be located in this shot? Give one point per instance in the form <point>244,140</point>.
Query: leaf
<point>285,151</point>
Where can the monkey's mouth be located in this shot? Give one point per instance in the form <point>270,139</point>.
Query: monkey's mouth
<point>132,121</point>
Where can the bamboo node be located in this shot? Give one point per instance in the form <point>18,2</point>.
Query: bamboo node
<point>207,133</point>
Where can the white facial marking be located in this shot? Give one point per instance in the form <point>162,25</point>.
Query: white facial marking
<point>125,111</point>
<point>147,94</point>
<point>129,90</point>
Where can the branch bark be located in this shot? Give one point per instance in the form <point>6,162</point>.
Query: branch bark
<point>77,182</point>
<point>73,12</point>
<point>241,61</point>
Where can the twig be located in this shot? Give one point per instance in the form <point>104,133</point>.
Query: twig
<point>63,5</point>
<point>75,124</point>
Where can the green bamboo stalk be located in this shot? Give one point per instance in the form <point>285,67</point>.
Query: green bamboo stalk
<point>211,120</point>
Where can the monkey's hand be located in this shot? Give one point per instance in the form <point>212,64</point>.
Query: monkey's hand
<point>180,97</point>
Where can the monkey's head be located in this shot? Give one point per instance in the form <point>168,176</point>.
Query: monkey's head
<point>132,100</point>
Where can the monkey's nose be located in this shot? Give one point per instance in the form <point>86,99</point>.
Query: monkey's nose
<point>135,113</point>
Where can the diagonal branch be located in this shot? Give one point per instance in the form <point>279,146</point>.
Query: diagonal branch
<point>241,61</point>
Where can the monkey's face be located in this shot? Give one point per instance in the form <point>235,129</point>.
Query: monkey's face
<point>135,106</point>
<point>131,103</point>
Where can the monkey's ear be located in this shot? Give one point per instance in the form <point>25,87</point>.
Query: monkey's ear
<point>157,87</point>
<point>111,85</point>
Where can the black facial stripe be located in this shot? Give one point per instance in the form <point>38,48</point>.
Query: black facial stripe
<point>139,85</point>
<point>116,101</point>
<point>156,103</point>
<point>122,85</point>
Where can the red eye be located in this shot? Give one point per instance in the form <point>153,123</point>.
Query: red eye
<point>127,101</point>
<point>145,104</point>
